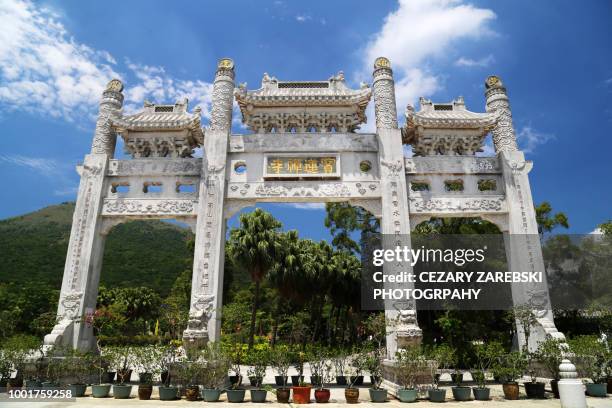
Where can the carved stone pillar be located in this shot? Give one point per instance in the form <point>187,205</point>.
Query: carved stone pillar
<point>523,249</point>
<point>504,137</point>
<point>395,223</point>
<point>207,283</point>
<point>110,106</point>
<point>85,249</point>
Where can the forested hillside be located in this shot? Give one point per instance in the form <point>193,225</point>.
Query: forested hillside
<point>140,253</point>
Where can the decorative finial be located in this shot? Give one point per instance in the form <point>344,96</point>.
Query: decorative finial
<point>382,62</point>
<point>225,63</point>
<point>493,81</point>
<point>114,85</point>
<point>409,108</point>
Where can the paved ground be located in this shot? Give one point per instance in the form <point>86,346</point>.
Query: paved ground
<point>337,400</point>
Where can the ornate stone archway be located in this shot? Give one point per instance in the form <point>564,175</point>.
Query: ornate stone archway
<point>302,148</point>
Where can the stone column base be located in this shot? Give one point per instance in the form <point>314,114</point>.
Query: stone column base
<point>390,377</point>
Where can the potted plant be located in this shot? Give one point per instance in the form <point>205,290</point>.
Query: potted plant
<point>486,355</point>
<point>53,370</point>
<point>321,370</point>
<point>189,373</point>
<point>167,391</point>
<point>122,361</point>
<point>525,319</point>
<point>213,377</point>
<point>298,364</point>
<point>78,366</point>
<point>340,361</point>
<point>301,392</point>
<point>236,356</point>
<point>410,362</point>
<point>148,363</point>
<point>460,392</point>
<point>256,374</point>
<point>592,358</point>
<point>374,367</point>
<point>354,369</point>
<point>434,393</point>
<point>358,364</point>
<point>236,393</point>
<point>508,368</point>
<point>550,353</point>
<point>281,362</point>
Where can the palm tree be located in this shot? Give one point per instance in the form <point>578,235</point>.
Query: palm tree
<point>255,247</point>
<point>547,221</point>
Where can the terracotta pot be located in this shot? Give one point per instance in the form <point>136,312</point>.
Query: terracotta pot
<point>511,391</point>
<point>534,390</point>
<point>351,395</point>
<point>144,391</point>
<point>282,395</point>
<point>554,385</point>
<point>322,395</point>
<point>301,395</point>
<point>192,392</point>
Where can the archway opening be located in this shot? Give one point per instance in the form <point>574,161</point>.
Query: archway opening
<point>145,281</point>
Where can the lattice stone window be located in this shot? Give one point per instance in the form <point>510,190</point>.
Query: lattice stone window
<point>185,188</point>
<point>164,108</point>
<point>453,185</point>
<point>487,185</point>
<point>419,186</point>
<point>443,107</point>
<point>120,188</point>
<point>152,187</point>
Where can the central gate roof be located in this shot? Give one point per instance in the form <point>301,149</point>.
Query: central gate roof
<point>303,106</point>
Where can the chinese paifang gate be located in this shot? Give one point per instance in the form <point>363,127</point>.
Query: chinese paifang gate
<point>301,146</point>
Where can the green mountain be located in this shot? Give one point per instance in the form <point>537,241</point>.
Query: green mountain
<point>138,253</point>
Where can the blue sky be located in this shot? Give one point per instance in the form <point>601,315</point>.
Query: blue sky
<point>555,58</point>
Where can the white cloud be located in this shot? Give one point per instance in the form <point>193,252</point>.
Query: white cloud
<point>480,63</point>
<point>154,82</point>
<point>44,70</point>
<point>40,165</point>
<point>302,18</point>
<point>308,206</point>
<point>418,30</point>
<point>529,139</point>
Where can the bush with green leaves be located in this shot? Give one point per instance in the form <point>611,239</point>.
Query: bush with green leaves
<point>357,363</point>
<point>486,354</point>
<point>217,364</point>
<point>550,354</point>
<point>280,361</point>
<point>321,366</point>
<point>77,365</point>
<point>410,362</point>
<point>340,361</point>
<point>510,366</point>
<point>259,363</point>
<point>592,357</point>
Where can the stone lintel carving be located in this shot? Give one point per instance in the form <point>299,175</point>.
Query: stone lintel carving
<point>303,190</point>
<point>447,205</point>
<point>161,207</point>
<point>452,165</point>
<point>155,167</point>
<point>304,142</point>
